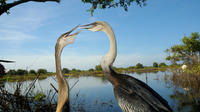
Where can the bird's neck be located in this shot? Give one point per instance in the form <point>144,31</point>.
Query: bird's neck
<point>109,58</point>
<point>58,51</point>
<point>63,87</point>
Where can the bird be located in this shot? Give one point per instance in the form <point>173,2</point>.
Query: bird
<point>63,87</point>
<point>184,67</point>
<point>132,95</point>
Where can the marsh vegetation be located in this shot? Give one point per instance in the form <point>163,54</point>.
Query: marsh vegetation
<point>89,93</point>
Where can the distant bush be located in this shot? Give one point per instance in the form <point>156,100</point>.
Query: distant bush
<point>155,64</point>
<point>162,65</point>
<point>21,72</point>
<point>131,67</point>
<point>42,71</point>
<point>75,70</point>
<point>91,70</point>
<point>139,65</point>
<point>12,72</point>
<point>65,70</point>
<point>98,68</point>
<point>32,72</point>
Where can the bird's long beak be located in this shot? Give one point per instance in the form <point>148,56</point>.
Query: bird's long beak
<point>69,32</point>
<point>73,29</point>
<point>74,34</point>
<point>88,26</point>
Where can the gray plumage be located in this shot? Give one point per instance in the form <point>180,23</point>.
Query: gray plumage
<point>132,94</point>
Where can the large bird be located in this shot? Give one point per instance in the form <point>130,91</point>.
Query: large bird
<point>132,94</point>
<point>63,87</point>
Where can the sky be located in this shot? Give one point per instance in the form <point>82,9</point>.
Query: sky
<point>28,34</point>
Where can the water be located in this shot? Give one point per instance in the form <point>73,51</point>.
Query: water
<point>94,94</point>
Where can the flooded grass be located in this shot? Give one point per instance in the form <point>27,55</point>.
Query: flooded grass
<point>27,100</point>
<point>187,90</point>
<point>184,92</point>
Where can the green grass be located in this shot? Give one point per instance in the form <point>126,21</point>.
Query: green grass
<point>19,78</point>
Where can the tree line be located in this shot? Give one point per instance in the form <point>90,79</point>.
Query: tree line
<point>26,72</point>
<point>66,70</point>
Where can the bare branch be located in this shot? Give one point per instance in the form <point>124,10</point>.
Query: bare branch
<point>5,7</point>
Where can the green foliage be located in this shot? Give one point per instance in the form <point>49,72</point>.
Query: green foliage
<point>75,70</point>
<point>2,2</point>
<point>21,72</point>
<point>139,65</point>
<point>32,72</point>
<point>42,71</point>
<point>39,96</point>
<point>187,52</point>
<point>155,64</point>
<point>91,70</point>
<point>162,65</point>
<point>103,4</point>
<point>131,67</point>
<point>65,70</point>
<point>98,68</point>
<point>12,72</point>
<point>100,4</point>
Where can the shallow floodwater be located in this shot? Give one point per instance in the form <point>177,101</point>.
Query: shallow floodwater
<point>94,94</point>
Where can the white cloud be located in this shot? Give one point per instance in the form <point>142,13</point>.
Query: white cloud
<point>13,36</point>
<point>18,26</point>
<point>24,20</point>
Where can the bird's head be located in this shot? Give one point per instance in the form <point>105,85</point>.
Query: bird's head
<point>96,26</point>
<point>67,38</point>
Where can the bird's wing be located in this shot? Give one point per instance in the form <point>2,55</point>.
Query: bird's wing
<point>134,86</point>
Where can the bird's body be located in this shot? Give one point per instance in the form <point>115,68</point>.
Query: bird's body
<point>184,67</point>
<point>132,94</point>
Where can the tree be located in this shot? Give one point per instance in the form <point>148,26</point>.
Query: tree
<point>21,72</point>
<point>75,70</point>
<point>131,67</point>
<point>91,70</point>
<point>32,72</point>
<point>139,65</point>
<point>12,72</point>
<point>65,70</point>
<point>155,64</point>
<point>42,71</point>
<point>102,4</point>
<point>5,5</point>
<point>98,68</point>
<point>162,65</point>
<point>187,52</point>
<point>2,70</point>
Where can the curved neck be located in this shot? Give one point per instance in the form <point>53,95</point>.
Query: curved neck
<point>58,51</point>
<point>109,58</point>
<point>63,87</point>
